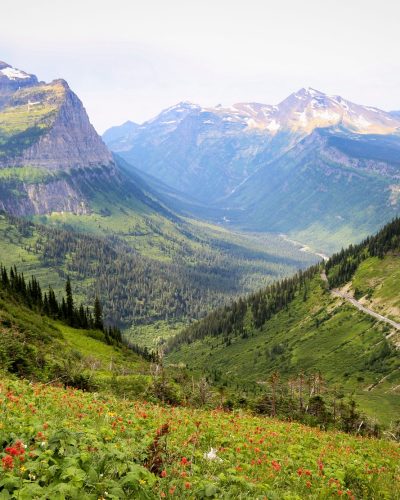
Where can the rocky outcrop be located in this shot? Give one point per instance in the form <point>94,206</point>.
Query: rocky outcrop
<point>45,127</point>
<point>71,142</point>
<point>65,193</point>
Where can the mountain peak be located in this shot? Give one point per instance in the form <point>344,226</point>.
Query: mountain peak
<point>309,91</point>
<point>11,73</point>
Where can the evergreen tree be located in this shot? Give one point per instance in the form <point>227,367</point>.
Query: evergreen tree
<point>98,315</point>
<point>69,303</point>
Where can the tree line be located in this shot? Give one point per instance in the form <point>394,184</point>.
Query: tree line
<point>196,277</point>
<point>256,309</point>
<point>341,267</point>
<point>29,292</point>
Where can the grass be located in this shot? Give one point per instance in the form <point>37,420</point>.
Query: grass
<point>154,334</point>
<point>43,349</point>
<point>378,280</point>
<point>31,175</point>
<point>30,114</point>
<point>87,446</point>
<point>317,334</point>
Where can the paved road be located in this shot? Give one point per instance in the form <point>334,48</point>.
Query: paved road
<point>360,307</point>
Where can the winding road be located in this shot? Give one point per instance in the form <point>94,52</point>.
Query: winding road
<point>360,307</point>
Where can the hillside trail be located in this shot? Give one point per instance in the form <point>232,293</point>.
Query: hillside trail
<point>337,293</point>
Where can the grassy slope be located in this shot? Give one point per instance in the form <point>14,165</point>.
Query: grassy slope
<point>377,282</point>
<point>87,446</point>
<point>53,346</point>
<point>244,262</point>
<point>321,333</point>
<point>29,115</point>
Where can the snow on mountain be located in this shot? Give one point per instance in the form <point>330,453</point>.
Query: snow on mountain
<point>301,112</point>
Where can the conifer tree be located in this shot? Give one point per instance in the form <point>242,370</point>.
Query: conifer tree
<point>98,314</point>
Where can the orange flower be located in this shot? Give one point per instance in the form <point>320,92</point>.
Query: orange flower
<point>276,465</point>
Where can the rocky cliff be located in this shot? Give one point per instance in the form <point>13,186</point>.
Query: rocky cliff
<point>48,148</point>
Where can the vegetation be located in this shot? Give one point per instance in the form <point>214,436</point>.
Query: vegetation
<point>63,443</point>
<point>342,266</point>
<point>193,276</point>
<point>29,115</point>
<point>238,348</point>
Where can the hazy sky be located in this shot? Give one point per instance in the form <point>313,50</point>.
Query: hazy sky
<point>128,59</point>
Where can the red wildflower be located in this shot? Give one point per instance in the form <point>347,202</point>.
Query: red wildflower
<point>184,460</point>
<point>187,485</point>
<point>164,473</point>
<point>276,465</point>
<point>308,484</point>
<point>7,462</point>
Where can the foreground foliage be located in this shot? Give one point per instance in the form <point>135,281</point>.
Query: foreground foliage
<point>64,443</point>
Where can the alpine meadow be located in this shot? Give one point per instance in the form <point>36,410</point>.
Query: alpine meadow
<point>203,300</point>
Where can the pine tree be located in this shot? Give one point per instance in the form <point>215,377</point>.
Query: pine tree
<point>69,303</point>
<point>98,314</point>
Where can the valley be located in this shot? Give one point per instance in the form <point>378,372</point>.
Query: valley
<point>314,329</point>
<point>204,305</point>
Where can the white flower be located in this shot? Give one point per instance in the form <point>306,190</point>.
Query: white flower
<point>212,455</point>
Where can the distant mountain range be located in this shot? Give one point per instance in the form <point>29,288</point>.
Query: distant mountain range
<point>315,166</point>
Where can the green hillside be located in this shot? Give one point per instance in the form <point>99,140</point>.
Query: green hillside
<point>305,329</point>
<point>146,269</point>
<point>314,196</point>
<point>67,444</point>
<point>37,347</point>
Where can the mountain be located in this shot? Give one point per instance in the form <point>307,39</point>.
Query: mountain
<point>119,135</point>
<point>331,189</point>
<point>208,152</point>
<point>315,166</point>
<point>51,158</point>
<point>12,79</point>
<point>303,325</point>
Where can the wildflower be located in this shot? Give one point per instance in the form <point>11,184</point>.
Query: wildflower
<point>187,485</point>
<point>184,460</point>
<point>212,455</point>
<point>308,484</point>
<point>276,465</point>
<point>164,473</point>
<point>7,462</point>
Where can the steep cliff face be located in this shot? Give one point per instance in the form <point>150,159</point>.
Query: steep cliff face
<point>49,151</point>
<point>49,127</point>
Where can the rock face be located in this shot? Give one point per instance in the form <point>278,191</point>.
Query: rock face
<point>48,147</point>
<point>70,140</point>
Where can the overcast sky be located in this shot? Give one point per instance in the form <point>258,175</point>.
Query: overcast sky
<point>128,59</point>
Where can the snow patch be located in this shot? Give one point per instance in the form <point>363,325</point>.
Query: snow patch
<point>303,117</point>
<point>326,114</point>
<point>362,122</point>
<point>273,126</point>
<point>14,74</point>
